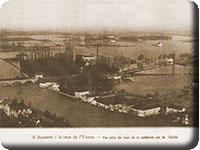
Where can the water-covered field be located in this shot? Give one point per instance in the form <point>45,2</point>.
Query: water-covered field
<point>178,44</point>
<point>177,78</point>
<point>46,100</point>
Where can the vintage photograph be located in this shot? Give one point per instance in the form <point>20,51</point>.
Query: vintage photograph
<point>98,63</point>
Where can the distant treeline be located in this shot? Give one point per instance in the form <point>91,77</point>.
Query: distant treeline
<point>21,39</point>
<point>28,33</point>
<point>146,37</point>
<point>49,66</point>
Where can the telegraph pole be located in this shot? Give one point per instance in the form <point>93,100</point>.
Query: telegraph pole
<point>97,53</point>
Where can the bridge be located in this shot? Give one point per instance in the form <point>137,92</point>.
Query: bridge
<point>10,78</point>
<point>13,65</point>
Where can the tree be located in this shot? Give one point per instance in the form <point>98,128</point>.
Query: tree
<point>141,57</point>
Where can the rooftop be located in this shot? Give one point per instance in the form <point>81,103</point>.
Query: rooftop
<point>146,107</point>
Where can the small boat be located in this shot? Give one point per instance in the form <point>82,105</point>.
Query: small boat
<point>159,44</point>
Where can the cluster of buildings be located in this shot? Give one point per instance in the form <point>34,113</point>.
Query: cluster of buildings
<point>50,85</point>
<point>140,110</point>
<point>150,110</point>
<point>86,96</point>
<point>14,110</point>
<point>86,60</point>
<point>28,117</point>
<point>23,113</point>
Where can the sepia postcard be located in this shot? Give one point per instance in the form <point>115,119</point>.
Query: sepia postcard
<point>99,72</point>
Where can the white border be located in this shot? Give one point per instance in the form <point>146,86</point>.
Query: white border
<point>24,136</point>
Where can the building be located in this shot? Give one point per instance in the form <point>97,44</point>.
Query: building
<point>112,107</point>
<point>39,75</point>
<point>88,58</point>
<point>55,87</point>
<point>144,111</point>
<point>5,107</point>
<point>46,85</point>
<point>14,110</point>
<point>117,77</point>
<point>94,102</point>
<point>170,61</point>
<point>111,37</point>
<point>174,109</point>
<point>19,109</point>
<point>112,41</point>
<point>159,44</point>
<point>85,60</point>
<point>121,108</point>
<point>81,94</point>
<point>88,98</point>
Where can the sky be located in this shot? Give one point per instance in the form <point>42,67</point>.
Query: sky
<point>96,14</point>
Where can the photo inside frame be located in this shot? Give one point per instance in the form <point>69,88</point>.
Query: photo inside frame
<point>109,67</point>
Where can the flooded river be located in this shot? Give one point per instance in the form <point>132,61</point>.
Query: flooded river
<point>73,110</point>
<point>156,82</point>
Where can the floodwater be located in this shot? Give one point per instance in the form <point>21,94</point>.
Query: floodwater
<point>46,100</point>
<point>156,81</point>
<point>127,49</point>
<point>147,48</point>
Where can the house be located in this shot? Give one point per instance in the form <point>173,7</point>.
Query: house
<point>81,94</point>
<point>144,111</point>
<point>88,58</point>
<point>88,98</point>
<point>14,110</point>
<point>94,102</point>
<point>51,85</point>
<point>5,107</point>
<point>112,41</point>
<point>100,104</point>
<point>117,77</point>
<point>106,107</point>
<point>185,120</point>
<point>19,109</point>
<point>121,108</point>
<point>130,107</point>
<point>111,37</point>
<point>170,61</point>
<point>38,75</point>
<point>85,60</point>
<point>47,84</point>
<point>55,87</point>
<point>112,108</point>
<point>174,109</point>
